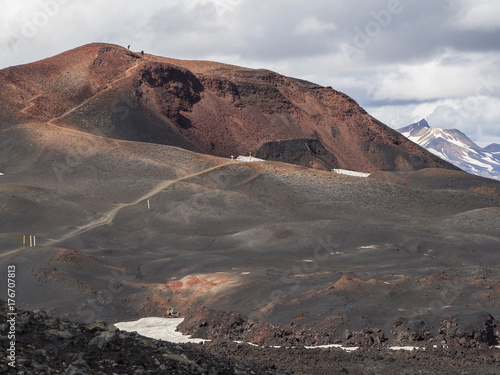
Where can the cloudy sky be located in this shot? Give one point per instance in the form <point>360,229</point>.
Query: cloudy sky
<point>402,60</point>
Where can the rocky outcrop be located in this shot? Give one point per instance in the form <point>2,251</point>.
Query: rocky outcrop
<point>450,330</point>
<point>231,326</point>
<point>307,152</point>
<point>173,89</point>
<point>47,345</point>
<point>219,325</point>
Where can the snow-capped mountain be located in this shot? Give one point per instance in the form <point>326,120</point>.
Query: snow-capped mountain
<point>493,148</point>
<point>455,147</point>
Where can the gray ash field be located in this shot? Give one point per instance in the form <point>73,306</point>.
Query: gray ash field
<point>280,244</point>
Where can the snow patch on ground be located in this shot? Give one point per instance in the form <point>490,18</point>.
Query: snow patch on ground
<point>165,329</point>
<point>350,173</point>
<point>368,247</point>
<point>248,159</point>
<point>407,348</point>
<point>411,348</point>
<point>346,348</point>
<point>159,329</point>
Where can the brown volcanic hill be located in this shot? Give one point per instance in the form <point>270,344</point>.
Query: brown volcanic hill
<point>206,107</point>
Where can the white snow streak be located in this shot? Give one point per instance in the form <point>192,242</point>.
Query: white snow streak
<point>248,159</point>
<point>351,173</point>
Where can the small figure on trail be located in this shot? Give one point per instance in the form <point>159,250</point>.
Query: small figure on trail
<point>128,46</point>
<point>142,53</point>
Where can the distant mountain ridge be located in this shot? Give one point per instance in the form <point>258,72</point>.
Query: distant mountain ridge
<point>456,148</point>
<point>494,148</point>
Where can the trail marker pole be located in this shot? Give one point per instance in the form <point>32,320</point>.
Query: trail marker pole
<point>149,205</point>
<point>24,240</point>
<point>31,241</point>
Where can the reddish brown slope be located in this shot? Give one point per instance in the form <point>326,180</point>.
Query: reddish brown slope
<point>203,106</point>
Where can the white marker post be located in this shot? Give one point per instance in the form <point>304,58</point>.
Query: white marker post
<point>34,241</point>
<point>31,241</point>
<point>149,205</point>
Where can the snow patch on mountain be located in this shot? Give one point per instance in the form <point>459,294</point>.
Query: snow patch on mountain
<point>494,148</point>
<point>455,147</point>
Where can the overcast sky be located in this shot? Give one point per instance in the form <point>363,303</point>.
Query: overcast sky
<point>402,60</point>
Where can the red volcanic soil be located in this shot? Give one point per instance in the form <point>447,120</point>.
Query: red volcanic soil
<point>206,107</point>
<point>192,287</point>
<point>346,283</point>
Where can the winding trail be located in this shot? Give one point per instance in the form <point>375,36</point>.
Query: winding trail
<point>108,217</point>
<point>30,104</point>
<point>108,86</point>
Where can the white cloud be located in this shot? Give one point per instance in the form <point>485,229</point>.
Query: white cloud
<point>398,116</point>
<point>476,116</point>
<point>479,14</point>
<point>311,25</point>
<point>431,80</point>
